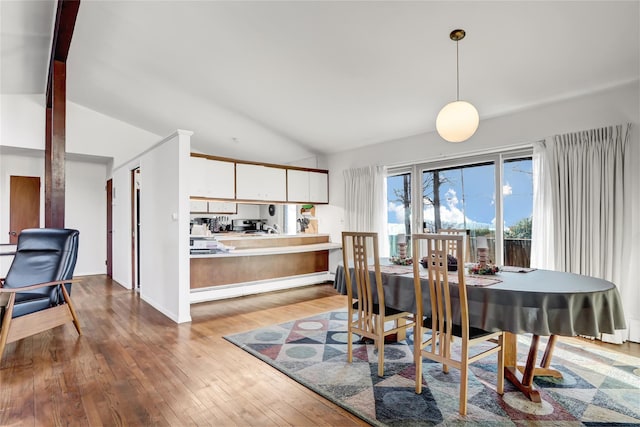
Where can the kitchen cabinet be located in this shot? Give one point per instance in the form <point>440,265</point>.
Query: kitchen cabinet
<point>203,206</point>
<point>199,206</point>
<point>307,186</point>
<point>258,182</point>
<point>223,207</point>
<point>213,179</point>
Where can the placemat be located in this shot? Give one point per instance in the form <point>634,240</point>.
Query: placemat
<point>393,269</point>
<point>470,279</point>
<point>514,269</point>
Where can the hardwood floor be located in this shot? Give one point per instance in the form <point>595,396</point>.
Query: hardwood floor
<point>133,366</point>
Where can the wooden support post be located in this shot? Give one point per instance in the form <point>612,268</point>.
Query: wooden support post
<point>55,172</point>
<point>56,103</point>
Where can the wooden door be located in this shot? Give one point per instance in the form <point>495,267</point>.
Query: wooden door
<point>109,228</point>
<point>24,205</point>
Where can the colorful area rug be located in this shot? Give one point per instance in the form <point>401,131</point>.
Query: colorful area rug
<point>599,387</point>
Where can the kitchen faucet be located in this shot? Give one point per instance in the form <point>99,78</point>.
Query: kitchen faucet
<point>270,229</point>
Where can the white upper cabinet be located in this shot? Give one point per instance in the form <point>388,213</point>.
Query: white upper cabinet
<point>212,178</point>
<point>318,187</point>
<point>257,182</point>
<point>297,186</point>
<point>307,186</point>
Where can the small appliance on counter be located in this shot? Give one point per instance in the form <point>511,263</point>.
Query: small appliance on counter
<point>206,245</point>
<point>247,225</point>
<point>216,224</point>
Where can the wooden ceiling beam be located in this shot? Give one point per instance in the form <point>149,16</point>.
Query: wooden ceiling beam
<point>66,14</point>
<point>55,119</point>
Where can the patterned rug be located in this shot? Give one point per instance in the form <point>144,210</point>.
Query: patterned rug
<point>598,388</point>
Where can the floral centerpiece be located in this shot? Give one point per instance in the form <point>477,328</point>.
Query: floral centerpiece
<point>401,261</point>
<point>486,269</point>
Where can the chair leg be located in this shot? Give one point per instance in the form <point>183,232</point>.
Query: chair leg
<point>500,387</point>
<point>464,374</point>
<point>349,335</point>
<point>6,323</point>
<point>417,355</point>
<point>72,310</point>
<point>445,350</point>
<point>380,344</point>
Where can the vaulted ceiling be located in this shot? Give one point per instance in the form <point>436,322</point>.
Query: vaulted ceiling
<point>284,80</point>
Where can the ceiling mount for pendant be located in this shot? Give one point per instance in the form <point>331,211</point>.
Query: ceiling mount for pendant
<point>457,35</point>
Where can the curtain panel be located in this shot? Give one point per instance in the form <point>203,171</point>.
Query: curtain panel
<point>580,222</point>
<point>365,202</point>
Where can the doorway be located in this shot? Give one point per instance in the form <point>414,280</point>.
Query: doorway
<point>24,205</point>
<point>109,228</point>
<point>135,228</point>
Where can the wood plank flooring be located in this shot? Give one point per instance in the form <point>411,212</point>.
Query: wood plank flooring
<point>133,366</point>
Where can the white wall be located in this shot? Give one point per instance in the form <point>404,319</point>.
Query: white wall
<point>85,186</point>
<point>613,106</point>
<point>22,124</point>
<point>164,226</point>
<point>85,204</point>
<point>88,133</point>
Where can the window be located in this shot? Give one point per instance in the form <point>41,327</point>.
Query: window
<point>399,211</point>
<point>461,198</point>
<point>517,196</point>
<point>490,196</point>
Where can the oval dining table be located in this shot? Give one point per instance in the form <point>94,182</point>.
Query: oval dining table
<point>519,301</point>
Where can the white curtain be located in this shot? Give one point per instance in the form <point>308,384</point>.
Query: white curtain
<point>580,221</point>
<point>365,202</point>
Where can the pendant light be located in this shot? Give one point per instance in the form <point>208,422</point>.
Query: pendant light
<point>458,120</point>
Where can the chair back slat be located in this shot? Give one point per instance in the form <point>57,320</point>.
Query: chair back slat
<point>451,247</point>
<point>357,250</point>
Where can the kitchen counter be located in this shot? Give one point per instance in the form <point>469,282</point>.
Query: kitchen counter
<point>260,263</point>
<point>272,250</point>
<point>243,242</point>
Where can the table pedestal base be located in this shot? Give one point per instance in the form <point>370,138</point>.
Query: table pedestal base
<point>522,376</point>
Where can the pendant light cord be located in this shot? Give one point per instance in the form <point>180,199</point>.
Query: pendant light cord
<point>457,73</point>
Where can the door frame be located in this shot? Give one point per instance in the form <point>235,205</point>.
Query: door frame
<point>135,230</point>
<point>109,260</point>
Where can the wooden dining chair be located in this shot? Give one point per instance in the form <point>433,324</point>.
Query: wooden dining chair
<point>441,315</point>
<point>452,245</point>
<point>366,303</point>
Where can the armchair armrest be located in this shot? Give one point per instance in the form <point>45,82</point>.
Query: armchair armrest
<point>37,286</point>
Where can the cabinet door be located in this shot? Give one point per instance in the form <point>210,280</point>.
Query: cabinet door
<point>197,176</point>
<point>199,206</point>
<point>318,187</point>
<point>223,207</point>
<point>212,178</point>
<point>257,182</point>
<point>297,186</point>
<point>220,178</point>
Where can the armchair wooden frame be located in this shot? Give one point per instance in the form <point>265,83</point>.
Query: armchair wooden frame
<point>367,317</point>
<point>14,329</point>
<point>440,319</point>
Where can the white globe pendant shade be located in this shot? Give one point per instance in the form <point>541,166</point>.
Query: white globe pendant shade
<point>457,121</point>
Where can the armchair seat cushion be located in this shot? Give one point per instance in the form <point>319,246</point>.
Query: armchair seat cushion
<point>27,303</point>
